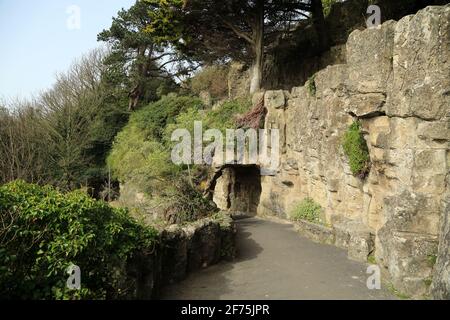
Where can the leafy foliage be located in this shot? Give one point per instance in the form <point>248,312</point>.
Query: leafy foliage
<point>43,232</point>
<point>64,136</point>
<point>307,210</point>
<point>312,85</point>
<point>153,119</point>
<point>135,52</point>
<point>327,5</point>
<point>141,152</point>
<point>141,156</point>
<point>217,31</point>
<point>224,117</point>
<point>355,148</point>
<point>146,163</point>
<point>213,79</point>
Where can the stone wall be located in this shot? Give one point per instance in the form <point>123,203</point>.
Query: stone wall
<point>181,250</point>
<point>294,58</point>
<point>397,83</point>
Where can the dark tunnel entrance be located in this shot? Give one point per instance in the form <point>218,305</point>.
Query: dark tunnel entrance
<point>238,190</point>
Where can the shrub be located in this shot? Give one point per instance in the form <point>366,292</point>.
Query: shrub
<point>152,119</point>
<point>184,120</point>
<point>43,232</point>
<point>226,116</point>
<point>222,118</point>
<point>144,162</point>
<point>307,210</point>
<point>141,156</point>
<point>185,203</point>
<point>213,79</point>
<point>355,148</point>
<point>141,152</point>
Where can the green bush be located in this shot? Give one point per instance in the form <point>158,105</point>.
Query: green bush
<point>141,157</point>
<point>141,153</point>
<point>213,79</point>
<point>153,119</point>
<point>307,210</point>
<point>144,162</point>
<point>355,148</point>
<point>221,118</point>
<point>225,116</point>
<point>43,232</point>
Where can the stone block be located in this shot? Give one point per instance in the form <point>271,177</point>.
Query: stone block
<point>275,100</point>
<point>421,66</point>
<point>369,57</point>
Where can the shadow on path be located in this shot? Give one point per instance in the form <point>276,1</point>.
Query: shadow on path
<point>275,262</point>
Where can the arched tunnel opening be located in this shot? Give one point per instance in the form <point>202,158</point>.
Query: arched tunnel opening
<point>237,189</point>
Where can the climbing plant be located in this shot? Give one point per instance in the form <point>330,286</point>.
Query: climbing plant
<point>356,150</point>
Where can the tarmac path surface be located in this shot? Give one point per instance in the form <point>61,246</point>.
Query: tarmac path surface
<point>274,262</point>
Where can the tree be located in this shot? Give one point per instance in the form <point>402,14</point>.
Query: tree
<point>24,144</point>
<point>231,29</point>
<point>62,136</point>
<point>70,108</point>
<point>144,62</point>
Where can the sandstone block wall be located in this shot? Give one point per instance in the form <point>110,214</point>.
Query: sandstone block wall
<point>397,83</point>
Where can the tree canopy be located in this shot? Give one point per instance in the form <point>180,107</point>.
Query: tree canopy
<point>217,30</point>
<point>143,61</point>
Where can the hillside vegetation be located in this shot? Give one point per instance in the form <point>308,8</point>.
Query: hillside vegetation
<point>86,176</point>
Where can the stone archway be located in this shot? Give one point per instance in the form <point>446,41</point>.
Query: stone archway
<point>238,190</point>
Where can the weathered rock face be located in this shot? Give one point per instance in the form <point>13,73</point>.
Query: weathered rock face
<point>397,83</point>
<point>441,282</point>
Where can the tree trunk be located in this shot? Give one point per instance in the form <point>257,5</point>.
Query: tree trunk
<point>256,72</point>
<point>258,47</point>
<point>136,93</point>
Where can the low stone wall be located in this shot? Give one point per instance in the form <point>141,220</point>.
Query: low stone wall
<point>181,250</point>
<point>396,83</point>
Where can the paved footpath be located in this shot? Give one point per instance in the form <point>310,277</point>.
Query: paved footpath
<point>276,262</point>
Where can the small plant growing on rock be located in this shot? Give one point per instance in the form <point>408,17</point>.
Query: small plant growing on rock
<point>307,210</point>
<point>355,148</point>
<point>371,259</point>
<point>432,258</point>
<point>312,85</point>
